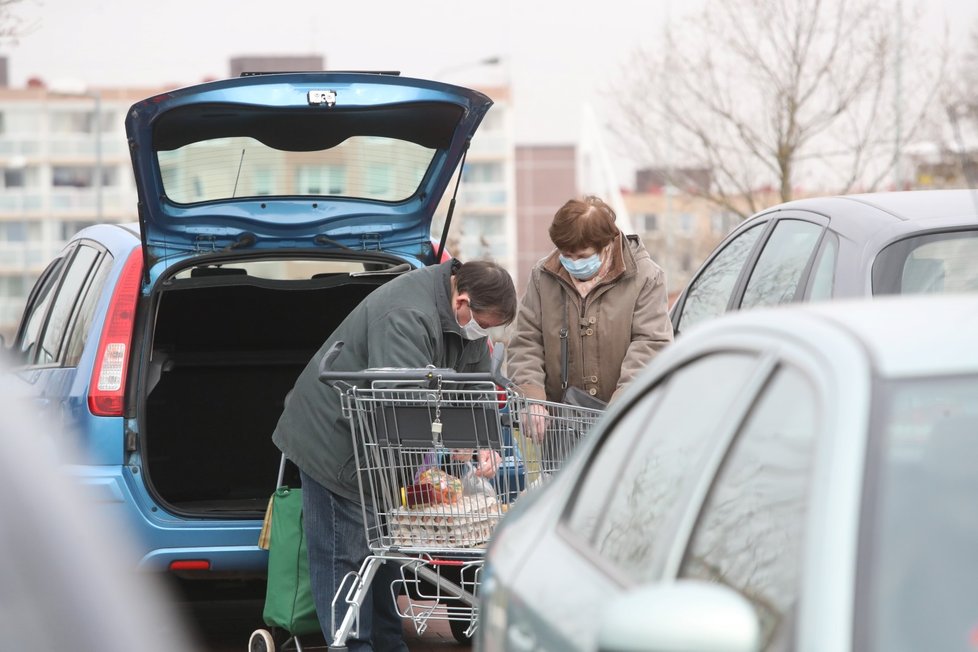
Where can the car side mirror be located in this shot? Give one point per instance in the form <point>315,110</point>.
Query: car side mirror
<point>687,615</point>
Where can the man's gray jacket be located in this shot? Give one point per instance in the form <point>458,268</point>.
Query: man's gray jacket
<point>408,322</point>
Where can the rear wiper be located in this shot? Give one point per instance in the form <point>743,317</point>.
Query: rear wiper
<point>244,240</point>
<point>323,239</point>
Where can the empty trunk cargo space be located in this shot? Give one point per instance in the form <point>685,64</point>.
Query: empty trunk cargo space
<point>224,359</point>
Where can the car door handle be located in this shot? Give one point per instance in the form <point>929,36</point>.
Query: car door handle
<point>42,402</point>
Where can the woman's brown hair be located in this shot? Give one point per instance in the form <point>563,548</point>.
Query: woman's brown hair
<point>583,223</point>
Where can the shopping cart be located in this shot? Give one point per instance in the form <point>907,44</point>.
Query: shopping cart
<point>441,456</point>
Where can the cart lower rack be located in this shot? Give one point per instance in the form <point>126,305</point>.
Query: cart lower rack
<point>441,457</point>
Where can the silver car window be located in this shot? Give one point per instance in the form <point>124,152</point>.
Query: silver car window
<point>918,566</point>
<point>782,263</point>
<point>823,277</point>
<point>709,294</point>
<point>749,532</point>
<point>934,263</point>
<point>635,481</point>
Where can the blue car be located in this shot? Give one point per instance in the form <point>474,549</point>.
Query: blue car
<point>269,207</point>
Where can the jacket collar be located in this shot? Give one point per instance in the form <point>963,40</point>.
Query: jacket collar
<point>443,296</point>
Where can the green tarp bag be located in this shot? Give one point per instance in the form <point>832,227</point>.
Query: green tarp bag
<point>288,598</point>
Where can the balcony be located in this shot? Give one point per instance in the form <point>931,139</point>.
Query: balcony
<point>23,257</point>
<point>489,195</point>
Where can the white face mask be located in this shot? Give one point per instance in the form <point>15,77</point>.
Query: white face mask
<point>472,330</point>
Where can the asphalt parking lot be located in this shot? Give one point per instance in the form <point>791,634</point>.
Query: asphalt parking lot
<point>224,624</point>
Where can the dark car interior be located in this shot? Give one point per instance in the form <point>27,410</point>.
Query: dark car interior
<point>226,349</point>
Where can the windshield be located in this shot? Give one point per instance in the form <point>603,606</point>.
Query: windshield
<point>365,167</point>
<point>918,563</point>
<point>936,263</point>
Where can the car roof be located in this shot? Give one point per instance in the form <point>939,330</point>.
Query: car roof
<point>877,219</point>
<point>904,336</point>
<point>911,205</point>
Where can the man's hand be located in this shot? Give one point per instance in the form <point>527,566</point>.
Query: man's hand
<point>485,464</point>
<point>488,463</point>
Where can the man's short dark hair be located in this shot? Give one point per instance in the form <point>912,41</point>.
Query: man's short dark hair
<point>490,287</point>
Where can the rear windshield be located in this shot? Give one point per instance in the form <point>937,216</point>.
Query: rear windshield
<point>936,263</point>
<point>364,167</point>
<point>918,561</point>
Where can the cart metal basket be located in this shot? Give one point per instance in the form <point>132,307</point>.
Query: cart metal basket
<point>441,457</point>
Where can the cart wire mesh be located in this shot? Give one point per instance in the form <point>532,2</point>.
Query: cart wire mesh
<point>440,461</point>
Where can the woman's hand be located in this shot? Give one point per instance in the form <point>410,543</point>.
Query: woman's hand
<point>536,422</point>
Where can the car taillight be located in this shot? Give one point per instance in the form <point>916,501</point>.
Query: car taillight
<point>107,390</point>
<point>190,564</point>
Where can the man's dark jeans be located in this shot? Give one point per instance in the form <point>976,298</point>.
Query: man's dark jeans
<point>337,545</point>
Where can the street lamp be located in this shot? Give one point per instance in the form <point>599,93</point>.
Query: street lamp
<point>76,90</point>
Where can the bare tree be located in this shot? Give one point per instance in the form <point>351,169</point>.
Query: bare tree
<point>961,102</point>
<point>12,26</point>
<point>769,94</point>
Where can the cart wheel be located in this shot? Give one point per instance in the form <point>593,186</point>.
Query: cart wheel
<point>261,641</point>
<point>459,627</point>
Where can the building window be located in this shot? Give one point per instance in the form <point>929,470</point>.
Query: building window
<point>20,121</point>
<point>71,227</point>
<point>16,231</point>
<point>13,178</point>
<point>74,176</point>
<point>646,222</point>
<point>13,286</point>
<point>686,223</point>
<point>321,180</point>
<point>378,181</point>
<point>72,122</point>
<point>262,181</point>
<point>482,173</point>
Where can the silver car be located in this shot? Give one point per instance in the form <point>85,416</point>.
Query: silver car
<point>782,479</point>
<point>920,242</point>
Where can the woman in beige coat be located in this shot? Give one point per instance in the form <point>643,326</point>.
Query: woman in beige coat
<point>603,290</point>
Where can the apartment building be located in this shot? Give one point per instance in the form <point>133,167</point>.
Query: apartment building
<point>484,224</point>
<point>64,164</point>
<point>546,177</point>
<point>679,228</point>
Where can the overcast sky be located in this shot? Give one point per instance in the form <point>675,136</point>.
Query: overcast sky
<point>556,54</point>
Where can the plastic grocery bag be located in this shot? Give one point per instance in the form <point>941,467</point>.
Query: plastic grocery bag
<point>288,597</point>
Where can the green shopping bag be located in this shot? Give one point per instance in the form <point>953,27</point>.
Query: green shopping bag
<point>288,598</point>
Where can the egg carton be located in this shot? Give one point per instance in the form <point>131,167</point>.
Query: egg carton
<point>466,522</point>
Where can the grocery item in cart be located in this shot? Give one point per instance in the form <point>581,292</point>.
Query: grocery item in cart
<point>438,486</point>
<point>468,521</point>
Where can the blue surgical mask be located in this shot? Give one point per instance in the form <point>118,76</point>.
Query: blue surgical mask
<point>583,268</point>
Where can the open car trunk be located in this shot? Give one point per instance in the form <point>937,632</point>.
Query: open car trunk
<point>226,349</point>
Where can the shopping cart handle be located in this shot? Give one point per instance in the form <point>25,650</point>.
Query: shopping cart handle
<point>430,374</point>
<point>420,374</point>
